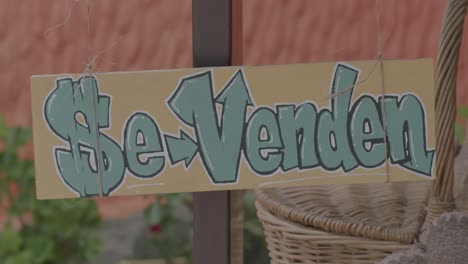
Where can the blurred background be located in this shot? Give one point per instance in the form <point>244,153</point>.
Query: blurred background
<point>50,37</point>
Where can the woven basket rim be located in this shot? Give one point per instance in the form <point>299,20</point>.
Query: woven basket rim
<point>294,227</point>
<point>284,210</point>
<point>282,218</point>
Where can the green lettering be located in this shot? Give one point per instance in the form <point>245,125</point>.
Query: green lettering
<point>297,125</point>
<point>332,134</point>
<point>367,132</point>
<point>263,137</point>
<point>406,133</point>
<point>142,137</point>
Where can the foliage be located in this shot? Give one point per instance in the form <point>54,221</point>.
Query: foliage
<point>49,232</point>
<point>171,229</point>
<point>462,112</point>
<point>255,248</point>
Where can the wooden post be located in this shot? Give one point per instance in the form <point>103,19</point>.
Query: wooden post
<point>237,227</point>
<point>237,203</point>
<point>211,22</point>
<point>237,32</point>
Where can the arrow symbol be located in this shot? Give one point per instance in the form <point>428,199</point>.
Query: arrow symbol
<point>235,99</point>
<point>235,92</point>
<point>219,141</point>
<point>183,148</point>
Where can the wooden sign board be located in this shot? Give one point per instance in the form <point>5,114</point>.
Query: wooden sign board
<point>228,128</point>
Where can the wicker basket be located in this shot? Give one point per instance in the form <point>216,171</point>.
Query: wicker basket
<point>364,223</point>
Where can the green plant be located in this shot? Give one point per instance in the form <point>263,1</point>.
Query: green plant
<point>50,231</point>
<point>462,112</point>
<point>255,248</point>
<point>170,229</point>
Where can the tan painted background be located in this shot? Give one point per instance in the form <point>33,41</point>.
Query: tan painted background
<point>268,86</point>
<point>155,34</point>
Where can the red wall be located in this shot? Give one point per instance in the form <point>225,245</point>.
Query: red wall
<point>50,36</point>
<point>285,31</point>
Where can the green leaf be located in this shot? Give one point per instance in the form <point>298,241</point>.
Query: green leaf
<point>41,248</point>
<point>463,111</point>
<point>459,133</point>
<point>10,241</point>
<point>3,128</point>
<point>62,232</point>
<point>22,257</point>
<point>24,135</point>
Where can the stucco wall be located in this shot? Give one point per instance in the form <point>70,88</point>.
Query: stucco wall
<point>298,31</point>
<point>50,36</point>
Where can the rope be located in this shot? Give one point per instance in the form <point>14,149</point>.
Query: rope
<point>382,87</point>
<point>89,68</point>
<point>442,199</point>
<point>445,104</point>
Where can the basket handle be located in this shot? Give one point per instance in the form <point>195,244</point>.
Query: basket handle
<point>442,199</point>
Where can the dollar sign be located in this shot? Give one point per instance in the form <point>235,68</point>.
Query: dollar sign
<point>69,111</point>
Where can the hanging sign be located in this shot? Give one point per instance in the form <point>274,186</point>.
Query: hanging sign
<point>226,128</point>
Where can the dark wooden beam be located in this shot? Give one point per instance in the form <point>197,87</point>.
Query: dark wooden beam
<point>211,22</point>
<point>237,202</point>
<point>237,32</point>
